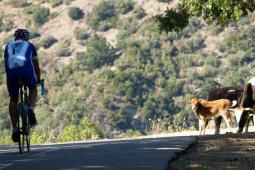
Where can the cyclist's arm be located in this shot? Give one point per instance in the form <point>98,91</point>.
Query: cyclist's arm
<point>5,57</point>
<point>37,69</point>
<point>36,64</point>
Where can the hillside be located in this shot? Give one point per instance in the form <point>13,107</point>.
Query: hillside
<point>110,72</point>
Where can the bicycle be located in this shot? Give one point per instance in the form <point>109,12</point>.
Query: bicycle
<point>23,123</point>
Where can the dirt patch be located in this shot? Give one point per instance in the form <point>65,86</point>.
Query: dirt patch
<point>221,152</point>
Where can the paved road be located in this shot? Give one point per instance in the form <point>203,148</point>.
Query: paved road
<point>148,153</point>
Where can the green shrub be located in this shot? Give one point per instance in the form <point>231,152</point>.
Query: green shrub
<point>80,34</point>
<point>63,51</point>
<point>104,16</point>
<point>47,42</point>
<point>139,12</point>
<point>75,13</point>
<point>87,130</point>
<point>40,16</point>
<point>125,6</point>
<point>17,3</point>
<point>6,25</point>
<point>34,34</point>
<point>98,54</point>
<point>53,15</point>
<point>55,3</point>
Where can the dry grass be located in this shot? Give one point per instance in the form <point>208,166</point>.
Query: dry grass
<point>219,152</point>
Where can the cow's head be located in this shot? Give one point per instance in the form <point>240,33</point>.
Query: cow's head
<point>194,103</point>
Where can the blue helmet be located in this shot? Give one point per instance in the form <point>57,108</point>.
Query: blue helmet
<point>23,33</point>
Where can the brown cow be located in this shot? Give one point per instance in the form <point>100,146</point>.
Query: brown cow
<point>205,110</point>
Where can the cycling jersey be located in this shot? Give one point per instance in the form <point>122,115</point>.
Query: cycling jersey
<point>18,56</point>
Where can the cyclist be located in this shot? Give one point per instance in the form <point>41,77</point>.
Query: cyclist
<point>21,60</point>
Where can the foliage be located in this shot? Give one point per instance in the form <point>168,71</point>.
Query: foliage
<point>47,42</point>
<point>75,13</point>
<point>87,130</point>
<point>125,6</point>
<point>104,16</point>
<point>98,54</point>
<point>158,126</point>
<point>6,25</point>
<point>221,12</point>
<point>80,34</point>
<point>139,12</point>
<point>40,16</point>
<point>55,3</point>
<point>63,51</point>
<point>17,3</point>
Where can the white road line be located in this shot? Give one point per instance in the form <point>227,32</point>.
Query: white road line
<point>2,166</point>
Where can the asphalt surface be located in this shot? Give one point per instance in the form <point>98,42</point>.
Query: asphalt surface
<point>129,154</point>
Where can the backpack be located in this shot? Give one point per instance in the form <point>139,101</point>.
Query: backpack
<point>17,53</point>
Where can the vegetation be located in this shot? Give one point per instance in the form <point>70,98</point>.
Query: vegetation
<point>75,13</point>
<point>80,34</point>
<point>47,42</point>
<point>221,12</point>
<point>98,54</point>
<point>104,16</point>
<point>40,16</point>
<point>55,3</point>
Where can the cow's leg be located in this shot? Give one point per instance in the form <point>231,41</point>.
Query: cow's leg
<point>242,122</point>
<point>203,124</point>
<point>200,126</point>
<point>247,124</point>
<point>227,120</point>
<point>217,123</point>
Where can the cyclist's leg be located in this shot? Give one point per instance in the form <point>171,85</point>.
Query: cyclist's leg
<point>12,87</point>
<point>31,82</point>
<point>13,108</point>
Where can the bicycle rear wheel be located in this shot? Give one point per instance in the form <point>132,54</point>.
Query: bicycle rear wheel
<point>21,134</point>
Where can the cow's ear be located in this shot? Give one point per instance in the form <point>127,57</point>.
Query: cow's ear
<point>200,100</point>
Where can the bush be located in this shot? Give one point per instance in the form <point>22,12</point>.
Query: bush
<point>55,3</point>
<point>125,6</point>
<point>104,16</point>
<point>80,34</point>
<point>34,34</point>
<point>40,16</point>
<point>17,3</point>
<point>87,130</point>
<point>63,51</point>
<point>98,54</point>
<point>47,42</point>
<point>139,12</point>
<point>6,25</point>
<point>75,13</point>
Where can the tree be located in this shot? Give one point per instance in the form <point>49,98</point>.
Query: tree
<point>98,54</point>
<point>220,11</point>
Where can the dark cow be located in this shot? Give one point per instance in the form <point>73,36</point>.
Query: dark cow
<point>244,98</point>
<point>230,93</point>
<point>247,101</point>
